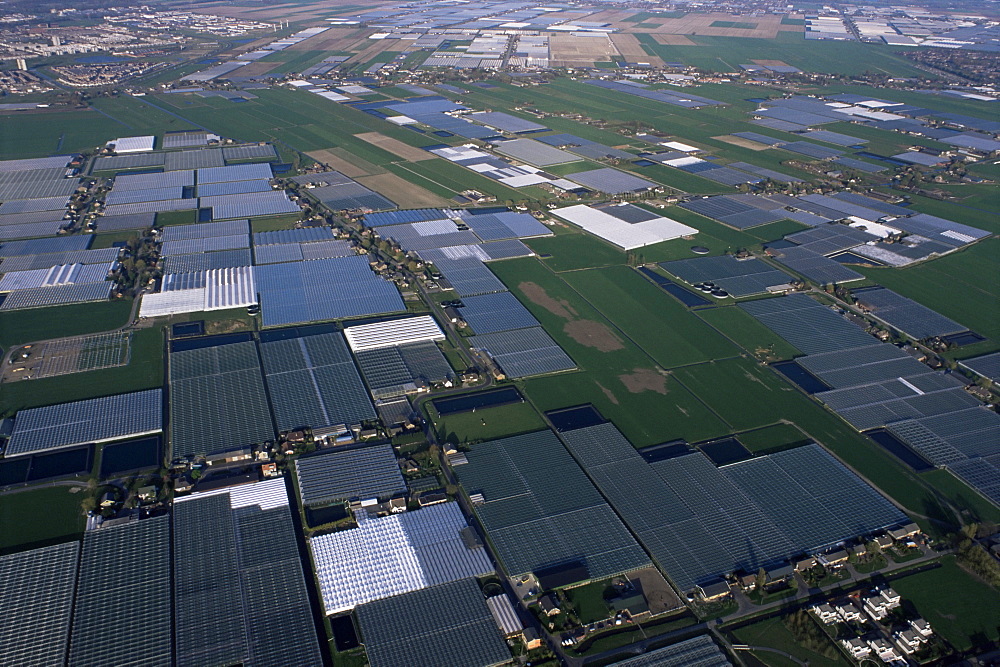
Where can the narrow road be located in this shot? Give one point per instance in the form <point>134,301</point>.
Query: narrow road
<point>767,649</point>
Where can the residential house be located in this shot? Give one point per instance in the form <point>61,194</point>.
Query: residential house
<point>549,605</point>
<point>826,613</point>
<point>884,649</point>
<point>532,639</point>
<point>849,613</point>
<point>779,572</point>
<point>716,590</point>
<point>834,559</point>
<point>804,564</point>
<point>856,647</point>
<point>881,603</point>
<point>922,627</point>
<point>397,505</point>
<point>909,641</point>
<point>900,534</point>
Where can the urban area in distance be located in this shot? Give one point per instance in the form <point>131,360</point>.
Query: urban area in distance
<point>487,333</point>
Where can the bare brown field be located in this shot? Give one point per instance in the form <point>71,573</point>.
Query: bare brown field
<point>334,39</point>
<point>609,15</point>
<point>673,40</point>
<point>632,51</point>
<point>396,147</point>
<point>578,49</point>
<point>741,142</point>
<point>402,192</point>
<point>347,164</point>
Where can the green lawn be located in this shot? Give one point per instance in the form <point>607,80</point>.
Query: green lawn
<point>38,517</point>
<point>589,601</point>
<point>959,606</point>
<point>274,222</point>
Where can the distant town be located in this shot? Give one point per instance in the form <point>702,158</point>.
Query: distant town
<point>485,334</point>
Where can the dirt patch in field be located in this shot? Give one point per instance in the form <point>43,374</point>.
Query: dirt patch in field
<point>402,192</point>
<point>593,334</point>
<point>537,295</point>
<point>771,63</point>
<point>347,164</point>
<point>632,51</point>
<point>674,40</point>
<point>644,379</point>
<point>741,142</point>
<point>607,392</point>
<point>396,147</point>
<point>657,591</point>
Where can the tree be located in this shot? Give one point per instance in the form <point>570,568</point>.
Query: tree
<point>760,581</point>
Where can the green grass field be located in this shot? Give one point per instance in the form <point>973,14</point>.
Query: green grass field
<point>138,116</point>
<point>724,54</point>
<point>774,437</point>
<point>573,250</point>
<point>37,134</point>
<point>734,24</point>
<point>38,517</point>
<point>772,633</point>
<point>959,606</point>
<point>486,424</point>
<point>144,371</point>
<point>650,317</point>
<point>744,393</point>
<point>617,376</point>
<point>24,326</point>
<point>747,332</point>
